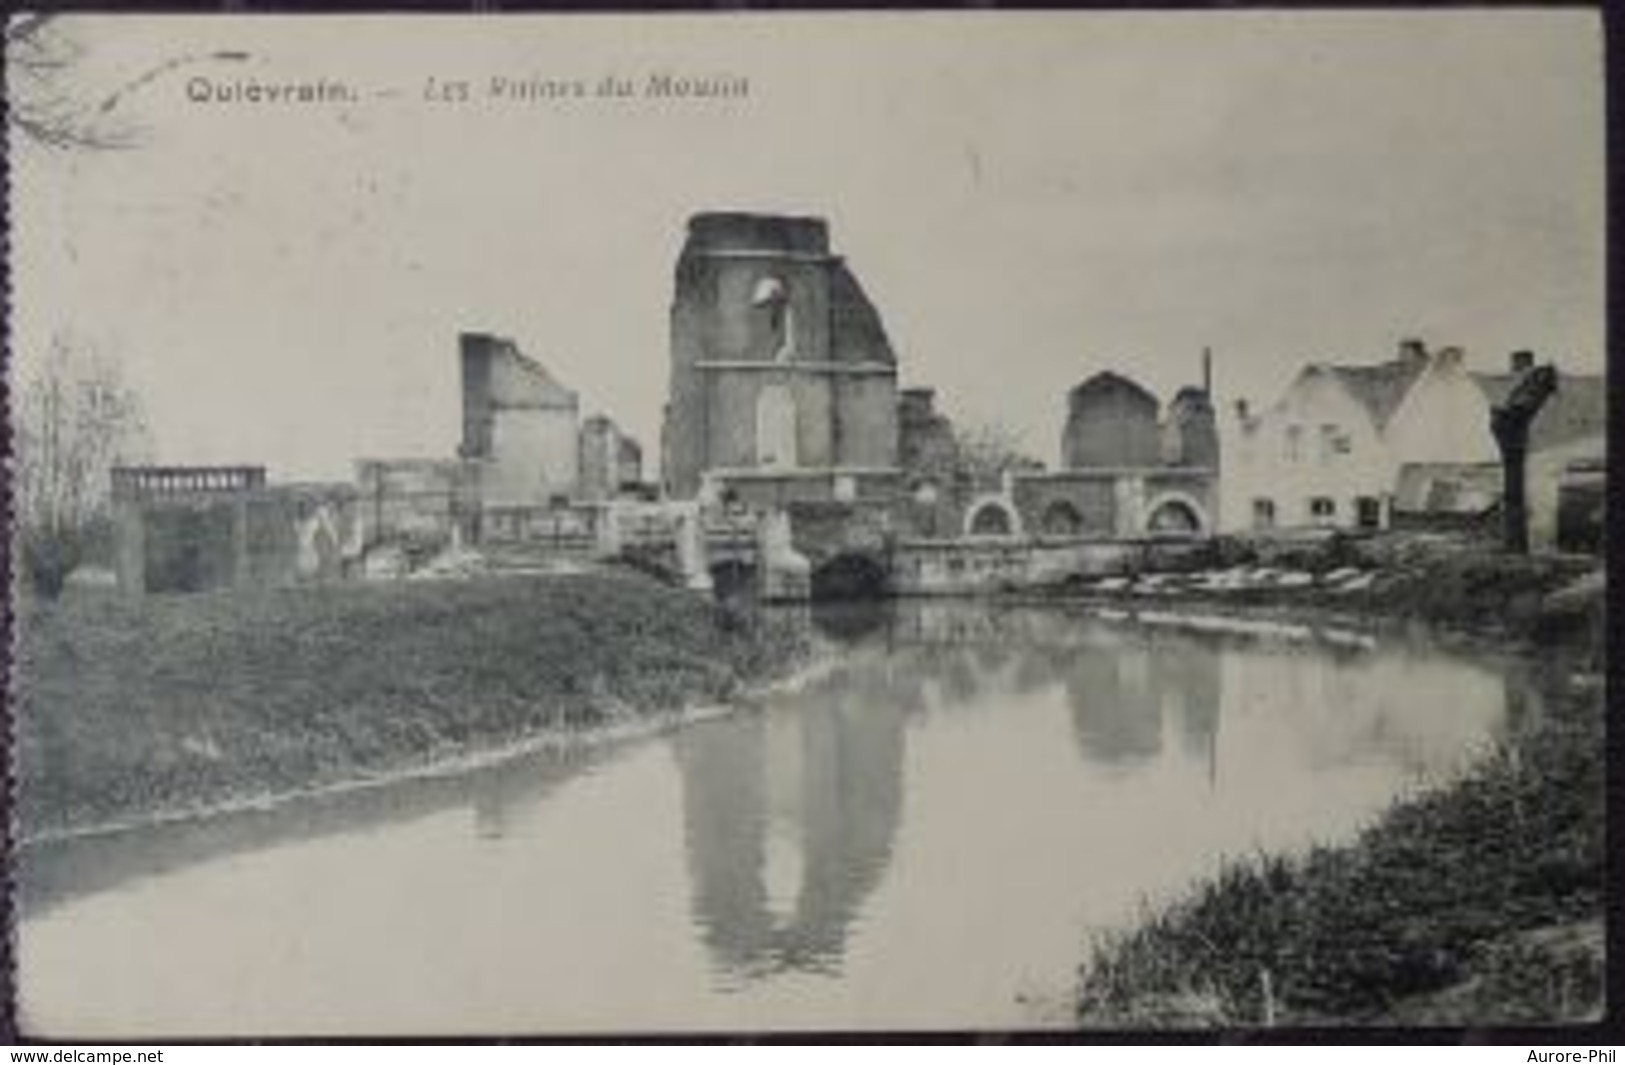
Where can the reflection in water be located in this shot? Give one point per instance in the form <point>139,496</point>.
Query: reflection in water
<point>817,772</point>
<point>911,839</point>
<point>51,873</point>
<point>849,621</point>
<point>1194,680</point>
<point>813,781</point>
<point>1115,714</point>
<point>1120,688</point>
<point>1120,696</point>
<point>504,794</point>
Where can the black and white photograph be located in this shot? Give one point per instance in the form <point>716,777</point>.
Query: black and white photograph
<point>607,525</point>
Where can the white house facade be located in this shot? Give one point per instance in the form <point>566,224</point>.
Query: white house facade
<point>1355,446</point>
<point>1318,457</point>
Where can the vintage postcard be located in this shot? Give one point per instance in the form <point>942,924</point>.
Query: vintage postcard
<point>591,525</point>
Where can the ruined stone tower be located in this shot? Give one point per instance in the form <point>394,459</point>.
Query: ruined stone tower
<point>519,424</point>
<point>781,372</point>
<point>1110,421</point>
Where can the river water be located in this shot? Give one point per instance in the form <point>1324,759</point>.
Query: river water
<point>926,835</point>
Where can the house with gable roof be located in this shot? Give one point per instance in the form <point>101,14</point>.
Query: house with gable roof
<point>1448,462</point>
<point>1357,446</point>
<point>1319,456</point>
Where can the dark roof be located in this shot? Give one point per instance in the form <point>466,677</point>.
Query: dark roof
<point>1578,409</point>
<point>1379,387</point>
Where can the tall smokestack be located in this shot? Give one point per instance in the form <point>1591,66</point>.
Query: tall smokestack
<point>1207,370</point>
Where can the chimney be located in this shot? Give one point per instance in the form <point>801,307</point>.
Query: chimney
<point>1523,361</point>
<point>1207,370</point>
<point>1412,350</point>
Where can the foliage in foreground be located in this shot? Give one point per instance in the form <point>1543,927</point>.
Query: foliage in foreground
<point>1483,896</point>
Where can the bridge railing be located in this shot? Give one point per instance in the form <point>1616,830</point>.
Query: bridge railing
<point>144,482</point>
<point>650,526</point>
<point>564,528</point>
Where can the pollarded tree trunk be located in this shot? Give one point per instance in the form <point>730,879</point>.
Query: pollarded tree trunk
<point>1510,421</point>
<point>1514,494</point>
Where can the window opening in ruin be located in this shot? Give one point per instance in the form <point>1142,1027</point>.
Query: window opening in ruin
<point>771,294</point>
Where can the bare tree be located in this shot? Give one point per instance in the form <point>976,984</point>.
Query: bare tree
<point>75,419</point>
<point>987,450</point>
<point>44,103</point>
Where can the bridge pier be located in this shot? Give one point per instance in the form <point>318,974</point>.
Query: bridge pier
<point>784,573</point>
<point>691,553</point>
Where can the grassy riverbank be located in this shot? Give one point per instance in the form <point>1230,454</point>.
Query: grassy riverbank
<point>1480,902</point>
<point>130,708</point>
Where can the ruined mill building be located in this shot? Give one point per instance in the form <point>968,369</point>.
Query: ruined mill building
<point>788,449</point>
<point>783,382</point>
<point>784,401</point>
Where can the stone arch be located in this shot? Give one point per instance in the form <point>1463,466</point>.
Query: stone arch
<point>1061,518</point>
<point>776,427</point>
<point>851,575</point>
<point>733,578</point>
<point>1176,514</point>
<point>992,516</point>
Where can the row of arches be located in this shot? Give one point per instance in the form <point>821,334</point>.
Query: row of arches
<point>1172,514</point>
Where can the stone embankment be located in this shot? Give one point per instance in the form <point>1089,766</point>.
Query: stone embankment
<point>1456,588</point>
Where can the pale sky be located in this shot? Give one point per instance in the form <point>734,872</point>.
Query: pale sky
<point>1028,198</point>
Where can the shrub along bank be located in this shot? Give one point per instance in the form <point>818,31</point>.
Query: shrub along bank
<point>127,708</point>
<point>1477,903</point>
